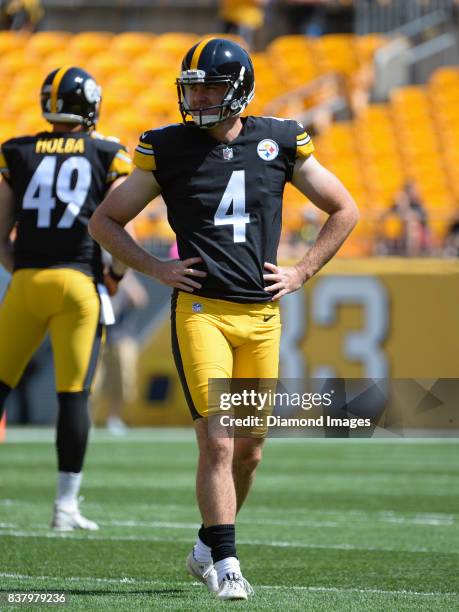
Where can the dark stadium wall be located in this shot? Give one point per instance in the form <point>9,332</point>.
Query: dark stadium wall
<point>197,17</point>
<point>156,19</point>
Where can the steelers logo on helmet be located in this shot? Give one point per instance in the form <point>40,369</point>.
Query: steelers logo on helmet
<point>216,61</point>
<point>91,91</point>
<point>70,95</point>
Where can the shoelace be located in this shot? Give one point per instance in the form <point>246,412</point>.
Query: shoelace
<point>247,585</point>
<point>234,579</point>
<point>207,571</point>
<point>205,567</point>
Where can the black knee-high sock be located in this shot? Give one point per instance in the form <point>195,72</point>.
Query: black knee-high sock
<point>72,431</point>
<point>222,541</point>
<point>4,392</point>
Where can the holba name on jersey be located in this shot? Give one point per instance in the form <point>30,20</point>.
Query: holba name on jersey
<point>60,145</point>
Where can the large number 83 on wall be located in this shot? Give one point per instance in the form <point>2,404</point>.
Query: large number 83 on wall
<point>328,294</point>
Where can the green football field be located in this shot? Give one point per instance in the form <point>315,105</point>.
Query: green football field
<point>330,525</point>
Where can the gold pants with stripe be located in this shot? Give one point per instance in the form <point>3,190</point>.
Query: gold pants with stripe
<point>221,339</point>
<point>65,303</point>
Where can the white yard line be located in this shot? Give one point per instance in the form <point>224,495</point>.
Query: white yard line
<point>180,525</point>
<point>135,581</point>
<point>186,434</point>
<point>339,516</point>
<point>248,542</point>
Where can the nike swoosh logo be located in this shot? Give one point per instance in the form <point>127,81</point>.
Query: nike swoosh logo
<point>268,317</point>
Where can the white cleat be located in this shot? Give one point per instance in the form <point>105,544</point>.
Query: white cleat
<point>204,572</point>
<point>65,519</point>
<point>234,586</point>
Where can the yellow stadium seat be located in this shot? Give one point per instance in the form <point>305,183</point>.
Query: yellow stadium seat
<point>43,44</point>
<point>27,81</point>
<point>131,45</point>
<point>409,94</point>
<point>296,71</point>
<point>285,45</point>
<point>410,101</point>
<point>57,60</point>
<point>104,66</point>
<point>440,226</point>
<point>335,51</point>
<point>12,41</point>
<point>392,227</point>
<point>112,104</point>
<point>447,114</point>
<point>156,103</point>
<point>120,97</point>
<point>174,45</point>
<point>18,102</point>
<point>445,76</point>
<point>8,129</point>
<point>234,37</point>
<point>15,62</point>
<point>366,46</point>
<point>128,122</point>
<point>340,137</point>
<point>149,66</point>
<point>87,44</point>
<point>124,82</point>
<point>31,123</point>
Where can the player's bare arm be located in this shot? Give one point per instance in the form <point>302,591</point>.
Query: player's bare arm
<point>114,273</point>
<point>107,226</point>
<point>6,225</point>
<point>327,192</point>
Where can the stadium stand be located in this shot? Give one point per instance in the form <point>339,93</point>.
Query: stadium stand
<point>411,137</point>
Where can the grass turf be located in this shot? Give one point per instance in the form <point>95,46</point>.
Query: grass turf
<point>330,525</point>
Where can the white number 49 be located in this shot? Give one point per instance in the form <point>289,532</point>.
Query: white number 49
<point>38,195</point>
<point>235,195</point>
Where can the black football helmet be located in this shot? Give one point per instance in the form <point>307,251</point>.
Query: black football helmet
<point>70,95</point>
<point>216,60</point>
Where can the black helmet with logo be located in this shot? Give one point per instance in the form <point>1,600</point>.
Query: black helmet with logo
<point>70,95</point>
<point>216,60</point>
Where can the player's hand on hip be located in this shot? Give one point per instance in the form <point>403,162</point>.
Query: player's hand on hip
<point>180,274</point>
<point>284,280</point>
<point>111,284</point>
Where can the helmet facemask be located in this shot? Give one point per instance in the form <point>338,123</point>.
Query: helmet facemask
<point>234,101</point>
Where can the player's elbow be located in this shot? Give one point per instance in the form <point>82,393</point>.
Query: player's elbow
<point>353,213</point>
<point>96,225</point>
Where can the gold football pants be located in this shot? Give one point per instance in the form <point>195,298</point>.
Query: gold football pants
<point>65,303</point>
<point>221,339</point>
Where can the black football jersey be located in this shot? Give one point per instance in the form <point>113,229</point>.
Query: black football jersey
<point>224,201</point>
<point>58,180</point>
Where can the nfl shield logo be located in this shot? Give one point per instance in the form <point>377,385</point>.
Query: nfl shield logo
<point>228,153</point>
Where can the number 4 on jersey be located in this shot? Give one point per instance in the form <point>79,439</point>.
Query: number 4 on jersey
<point>235,195</point>
<point>38,195</point>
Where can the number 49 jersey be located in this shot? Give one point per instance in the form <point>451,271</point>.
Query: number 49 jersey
<point>58,180</point>
<point>224,201</point>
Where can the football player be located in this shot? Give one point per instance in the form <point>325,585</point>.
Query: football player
<point>50,185</point>
<point>222,178</point>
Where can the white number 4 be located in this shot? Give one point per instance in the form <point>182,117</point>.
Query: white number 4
<point>235,195</point>
<point>38,195</point>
